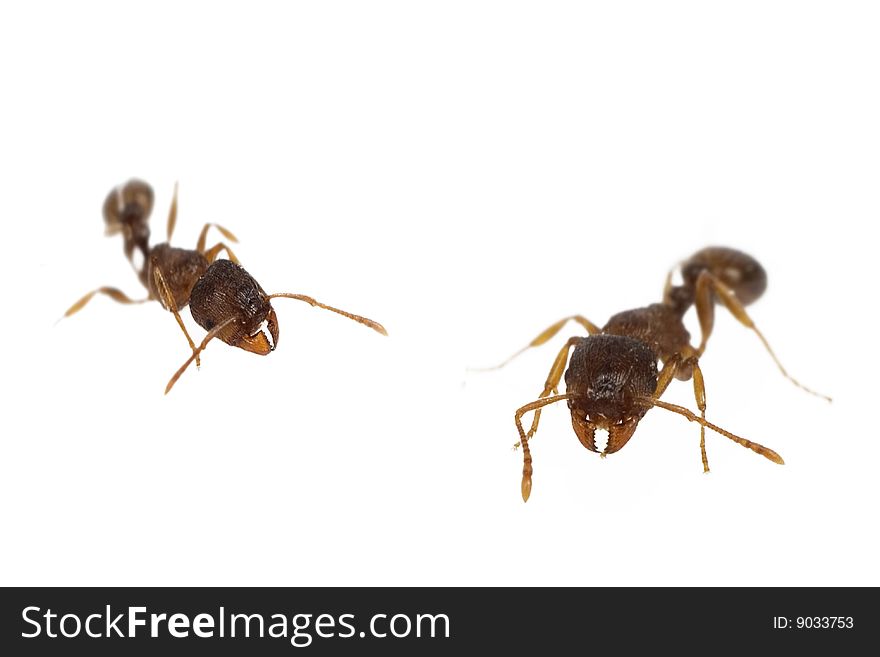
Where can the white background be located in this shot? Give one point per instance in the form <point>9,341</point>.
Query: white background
<point>466,173</point>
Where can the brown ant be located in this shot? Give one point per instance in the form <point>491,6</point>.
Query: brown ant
<point>223,298</point>
<point>612,378</point>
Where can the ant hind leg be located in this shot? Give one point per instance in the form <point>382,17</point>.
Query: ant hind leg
<point>707,284</point>
<point>112,292</point>
<point>546,335</point>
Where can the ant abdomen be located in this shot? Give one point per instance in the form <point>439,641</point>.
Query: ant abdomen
<point>658,325</point>
<point>128,204</point>
<point>228,300</point>
<point>737,270</point>
<point>127,210</point>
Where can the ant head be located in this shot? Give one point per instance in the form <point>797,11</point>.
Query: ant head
<point>226,296</point>
<point>607,377</point>
<point>231,305</point>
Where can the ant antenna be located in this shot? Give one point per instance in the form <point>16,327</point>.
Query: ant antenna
<point>376,326</point>
<point>766,452</point>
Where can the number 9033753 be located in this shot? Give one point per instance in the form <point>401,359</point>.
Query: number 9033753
<point>814,623</point>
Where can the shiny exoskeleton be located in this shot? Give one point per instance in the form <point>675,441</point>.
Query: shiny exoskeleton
<point>230,304</point>
<point>612,378</point>
<point>738,271</point>
<point>227,290</point>
<point>223,298</point>
<point>169,273</point>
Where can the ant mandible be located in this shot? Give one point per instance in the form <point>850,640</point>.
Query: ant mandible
<point>223,298</point>
<point>612,378</point>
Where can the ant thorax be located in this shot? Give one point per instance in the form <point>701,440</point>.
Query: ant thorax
<point>658,326</point>
<point>181,269</point>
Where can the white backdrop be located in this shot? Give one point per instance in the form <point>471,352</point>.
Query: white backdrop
<point>466,173</point>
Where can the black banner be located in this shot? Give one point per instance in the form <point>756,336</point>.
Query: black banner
<point>278,621</point>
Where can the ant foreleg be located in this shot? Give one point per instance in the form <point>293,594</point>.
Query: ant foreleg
<point>168,301</point>
<point>670,367</point>
<point>552,383</point>
<point>197,350</point>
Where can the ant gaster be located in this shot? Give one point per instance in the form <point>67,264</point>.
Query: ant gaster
<point>612,378</point>
<point>223,298</point>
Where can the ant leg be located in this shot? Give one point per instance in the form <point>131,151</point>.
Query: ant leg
<point>706,285</point>
<point>670,367</point>
<point>700,399</point>
<point>665,377</point>
<point>172,214</point>
<point>766,452</point>
<point>552,383</point>
<point>545,335</point>
<point>200,245</point>
<point>168,301</point>
<point>667,289</point>
<point>196,351</point>
<point>526,486</point>
<point>212,253</point>
<point>111,292</point>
